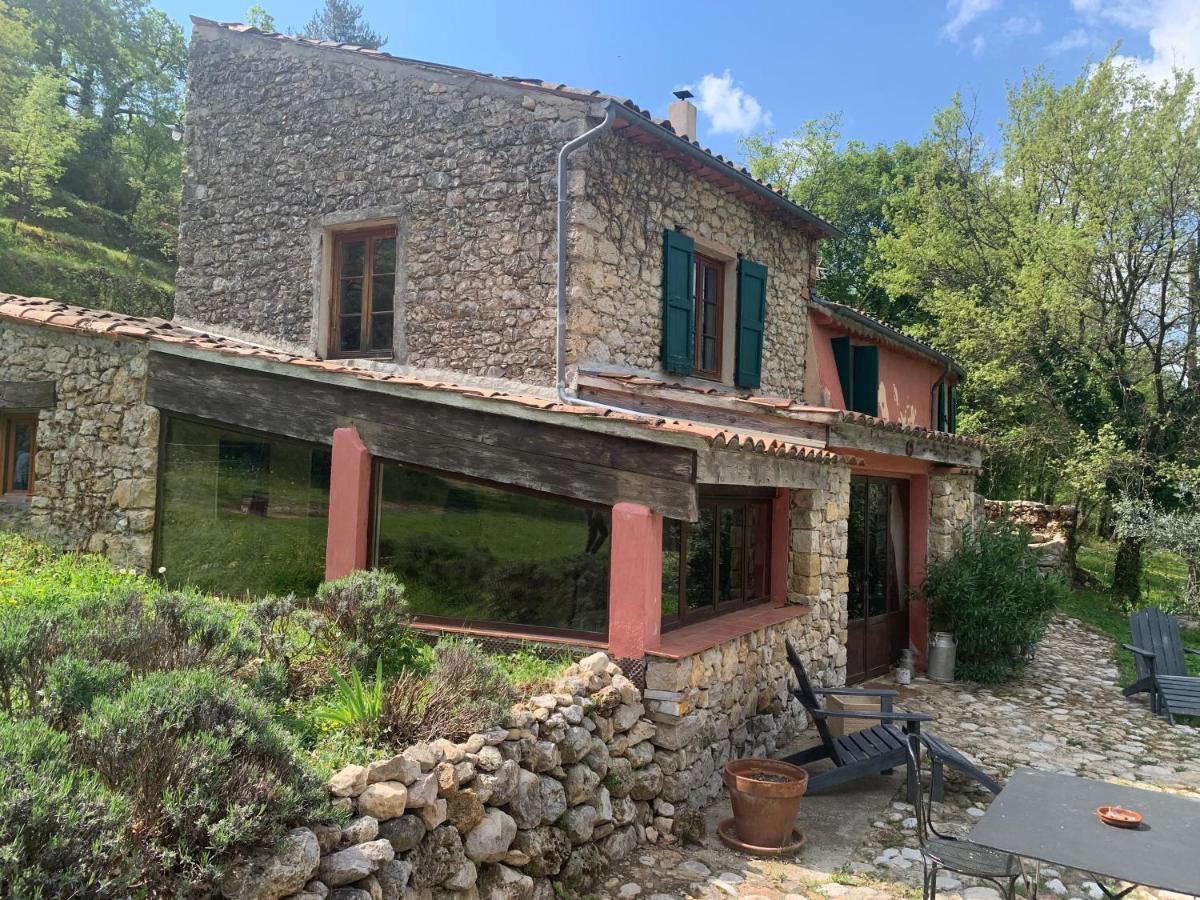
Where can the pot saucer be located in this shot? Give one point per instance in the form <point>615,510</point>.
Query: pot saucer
<point>727,832</point>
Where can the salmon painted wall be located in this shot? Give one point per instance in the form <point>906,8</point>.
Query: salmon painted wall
<point>905,380</point>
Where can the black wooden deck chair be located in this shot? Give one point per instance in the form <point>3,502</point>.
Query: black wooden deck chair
<point>876,750</point>
<point>1158,656</point>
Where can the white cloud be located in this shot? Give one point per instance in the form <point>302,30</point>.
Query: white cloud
<point>1172,28</point>
<point>729,108</point>
<point>1072,40</point>
<point>964,12</point>
<point>1022,26</point>
<point>978,43</point>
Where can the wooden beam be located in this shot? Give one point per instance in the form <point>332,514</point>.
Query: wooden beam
<point>582,465</point>
<point>749,469</point>
<point>849,437</point>
<point>26,394</point>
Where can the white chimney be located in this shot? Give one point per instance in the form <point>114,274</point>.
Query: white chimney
<point>682,115</point>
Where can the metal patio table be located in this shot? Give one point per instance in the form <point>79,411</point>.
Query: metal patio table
<point>1052,818</point>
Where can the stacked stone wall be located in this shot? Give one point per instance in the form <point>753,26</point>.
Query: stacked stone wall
<point>954,509</point>
<point>1052,527</point>
<point>734,700</point>
<point>97,447</point>
<point>547,801</point>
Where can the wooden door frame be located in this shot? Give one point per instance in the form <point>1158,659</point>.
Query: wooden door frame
<point>890,616</point>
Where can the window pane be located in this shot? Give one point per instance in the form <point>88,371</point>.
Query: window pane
<point>758,543</point>
<point>354,255</point>
<point>708,354</point>
<point>672,535</point>
<point>349,333</point>
<point>857,538</point>
<point>709,317</point>
<point>350,301</point>
<point>710,285</point>
<point>384,259</point>
<point>383,289</point>
<point>241,512</point>
<point>473,552</point>
<point>731,565</point>
<point>381,332</point>
<point>22,458</point>
<point>700,561</point>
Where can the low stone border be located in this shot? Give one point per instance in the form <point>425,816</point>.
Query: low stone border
<point>565,786</point>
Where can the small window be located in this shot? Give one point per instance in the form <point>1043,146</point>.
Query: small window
<point>364,288</point>
<point>719,563</point>
<point>18,434</point>
<point>710,315</point>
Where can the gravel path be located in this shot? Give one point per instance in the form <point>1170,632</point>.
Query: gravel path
<point>1064,714</point>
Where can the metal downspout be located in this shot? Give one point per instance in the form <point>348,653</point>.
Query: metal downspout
<point>560,341</point>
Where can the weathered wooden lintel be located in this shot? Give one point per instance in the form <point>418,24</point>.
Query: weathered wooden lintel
<point>26,394</point>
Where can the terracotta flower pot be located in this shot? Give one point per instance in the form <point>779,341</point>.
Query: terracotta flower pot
<point>765,794</point>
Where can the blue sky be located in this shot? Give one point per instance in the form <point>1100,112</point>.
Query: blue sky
<point>883,66</point>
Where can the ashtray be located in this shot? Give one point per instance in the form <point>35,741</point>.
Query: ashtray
<point>1119,817</point>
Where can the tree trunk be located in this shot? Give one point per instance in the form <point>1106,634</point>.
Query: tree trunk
<point>1127,572</point>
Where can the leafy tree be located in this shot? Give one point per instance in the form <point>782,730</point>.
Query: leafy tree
<point>16,55</point>
<point>34,144</point>
<point>342,21</point>
<point>260,19</point>
<point>1173,530</point>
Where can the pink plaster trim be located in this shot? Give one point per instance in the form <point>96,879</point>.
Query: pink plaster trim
<point>826,364</point>
<point>349,505</point>
<point>635,582</point>
<point>918,551</point>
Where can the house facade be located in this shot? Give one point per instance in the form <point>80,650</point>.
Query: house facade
<point>365,370</point>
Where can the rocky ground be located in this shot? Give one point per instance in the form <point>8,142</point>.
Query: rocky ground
<point>1064,714</point>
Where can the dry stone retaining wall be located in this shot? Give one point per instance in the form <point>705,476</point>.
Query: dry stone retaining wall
<point>570,783</point>
<point>97,447</point>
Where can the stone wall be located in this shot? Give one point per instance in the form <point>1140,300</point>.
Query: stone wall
<point>954,508</point>
<point>1052,527</point>
<point>631,193</point>
<point>97,447</point>
<point>734,700</point>
<point>569,784</point>
<point>284,141</point>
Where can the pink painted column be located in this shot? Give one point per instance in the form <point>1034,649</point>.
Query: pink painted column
<point>349,505</point>
<point>781,538</point>
<point>634,582</point>
<point>918,551</point>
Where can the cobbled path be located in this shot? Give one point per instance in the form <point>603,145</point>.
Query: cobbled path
<point>1063,714</point>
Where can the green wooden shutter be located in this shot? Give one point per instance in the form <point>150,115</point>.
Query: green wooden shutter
<point>940,424</point>
<point>866,380</point>
<point>751,314</point>
<point>679,306</point>
<point>841,356</point>
<point>953,429</point>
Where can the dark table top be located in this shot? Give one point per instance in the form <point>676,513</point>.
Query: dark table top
<point>1040,815</point>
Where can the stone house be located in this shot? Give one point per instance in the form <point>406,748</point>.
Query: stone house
<point>651,437</point>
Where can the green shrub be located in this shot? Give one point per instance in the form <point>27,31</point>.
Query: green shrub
<point>206,769</point>
<point>370,614</point>
<point>355,705</point>
<point>73,684</point>
<point>62,833</point>
<point>990,595</point>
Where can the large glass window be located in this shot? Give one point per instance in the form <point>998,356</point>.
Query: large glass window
<point>242,512</point>
<point>18,444</point>
<point>472,552</point>
<point>720,562</point>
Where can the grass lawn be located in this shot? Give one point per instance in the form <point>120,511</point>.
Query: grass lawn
<point>1163,579</point>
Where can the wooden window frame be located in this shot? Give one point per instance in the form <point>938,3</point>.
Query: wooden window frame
<point>702,261</point>
<point>8,438</point>
<point>716,500</point>
<point>369,236</point>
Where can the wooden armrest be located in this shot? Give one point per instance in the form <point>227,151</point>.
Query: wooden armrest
<point>857,692</point>
<point>891,714</point>
<point>1139,651</point>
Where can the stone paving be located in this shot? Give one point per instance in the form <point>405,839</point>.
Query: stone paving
<point>1063,714</point>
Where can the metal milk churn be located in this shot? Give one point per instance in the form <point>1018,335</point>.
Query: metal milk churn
<point>941,656</point>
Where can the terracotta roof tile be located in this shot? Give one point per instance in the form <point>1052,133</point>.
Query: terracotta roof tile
<point>46,313</point>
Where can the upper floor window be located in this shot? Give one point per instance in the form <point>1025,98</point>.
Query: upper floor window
<point>18,444</point>
<point>858,372</point>
<point>364,288</point>
<point>695,313</point>
<point>710,315</point>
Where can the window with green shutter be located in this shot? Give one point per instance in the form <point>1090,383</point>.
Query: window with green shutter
<point>751,316</point>
<point>841,356</point>
<point>866,380</point>
<point>678,341</point>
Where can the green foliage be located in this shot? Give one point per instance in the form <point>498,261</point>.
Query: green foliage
<point>527,669</point>
<point>368,610</point>
<point>990,595</point>
<point>74,684</point>
<point>342,21</point>
<point>1146,523</point>
<point>259,18</point>
<point>35,141</point>
<point>206,769</point>
<point>354,705</point>
<point>62,832</point>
